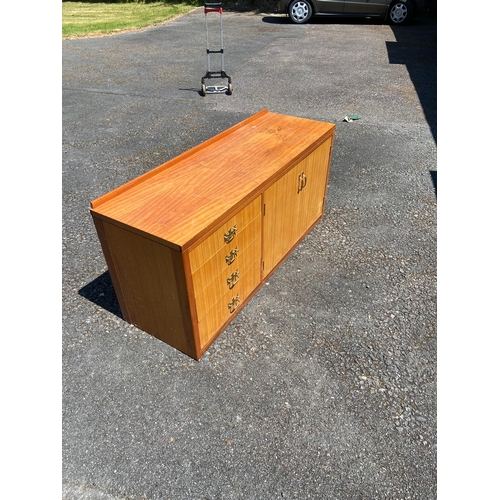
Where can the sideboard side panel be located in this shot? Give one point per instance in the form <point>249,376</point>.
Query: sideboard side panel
<point>150,277</point>
<point>101,233</point>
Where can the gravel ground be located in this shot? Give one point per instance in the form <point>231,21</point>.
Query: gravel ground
<point>324,386</point>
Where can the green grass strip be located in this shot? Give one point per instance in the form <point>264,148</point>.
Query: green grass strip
<point>80,19</point>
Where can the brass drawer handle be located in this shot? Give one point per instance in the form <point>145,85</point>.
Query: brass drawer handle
<point>233,279</point>
<point>302,182</point>
<point>233,305</point>
<point>232,255</point>
<point>230,234</point>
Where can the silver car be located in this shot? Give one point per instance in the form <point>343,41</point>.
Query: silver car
<point>393,11</point>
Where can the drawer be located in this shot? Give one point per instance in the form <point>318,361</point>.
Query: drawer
<point>228,258</point>
<point>229,304</point>
<point>228,280</point>
<point>224,236</point>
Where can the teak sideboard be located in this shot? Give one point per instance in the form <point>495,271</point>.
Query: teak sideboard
<point>188,243</point>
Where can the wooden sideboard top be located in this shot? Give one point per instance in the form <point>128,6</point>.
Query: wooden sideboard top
<point>184,198</point>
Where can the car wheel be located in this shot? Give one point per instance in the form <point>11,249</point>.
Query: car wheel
<point>300,11</point>
<point>400,12</point>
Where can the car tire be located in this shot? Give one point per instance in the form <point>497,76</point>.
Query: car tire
<point>400,12</point>
<point>300,11</point>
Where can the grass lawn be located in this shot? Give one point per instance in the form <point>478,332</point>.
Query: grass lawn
<point>81,19</point>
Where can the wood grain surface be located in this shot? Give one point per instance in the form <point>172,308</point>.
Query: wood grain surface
<point>226,173</point>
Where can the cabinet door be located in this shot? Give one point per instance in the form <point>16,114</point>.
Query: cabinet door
<point>279,221</point>
<point>313,172</point>
<point>293,204</point>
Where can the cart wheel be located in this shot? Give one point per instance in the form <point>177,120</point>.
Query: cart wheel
<point>229,88</point>
<point>203,89</point>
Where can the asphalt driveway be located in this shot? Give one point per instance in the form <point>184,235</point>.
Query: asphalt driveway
<point>324,386</point>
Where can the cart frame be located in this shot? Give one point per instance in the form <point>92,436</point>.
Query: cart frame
<point>215,89</point>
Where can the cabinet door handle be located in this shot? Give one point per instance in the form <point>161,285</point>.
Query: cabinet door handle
<point>231,233</point>
<point>233,305</point>
<point>233,279</point>
<point>302,182</point>
<point>232,255</point>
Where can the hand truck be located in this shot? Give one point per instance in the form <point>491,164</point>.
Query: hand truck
<point>215,89</point>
